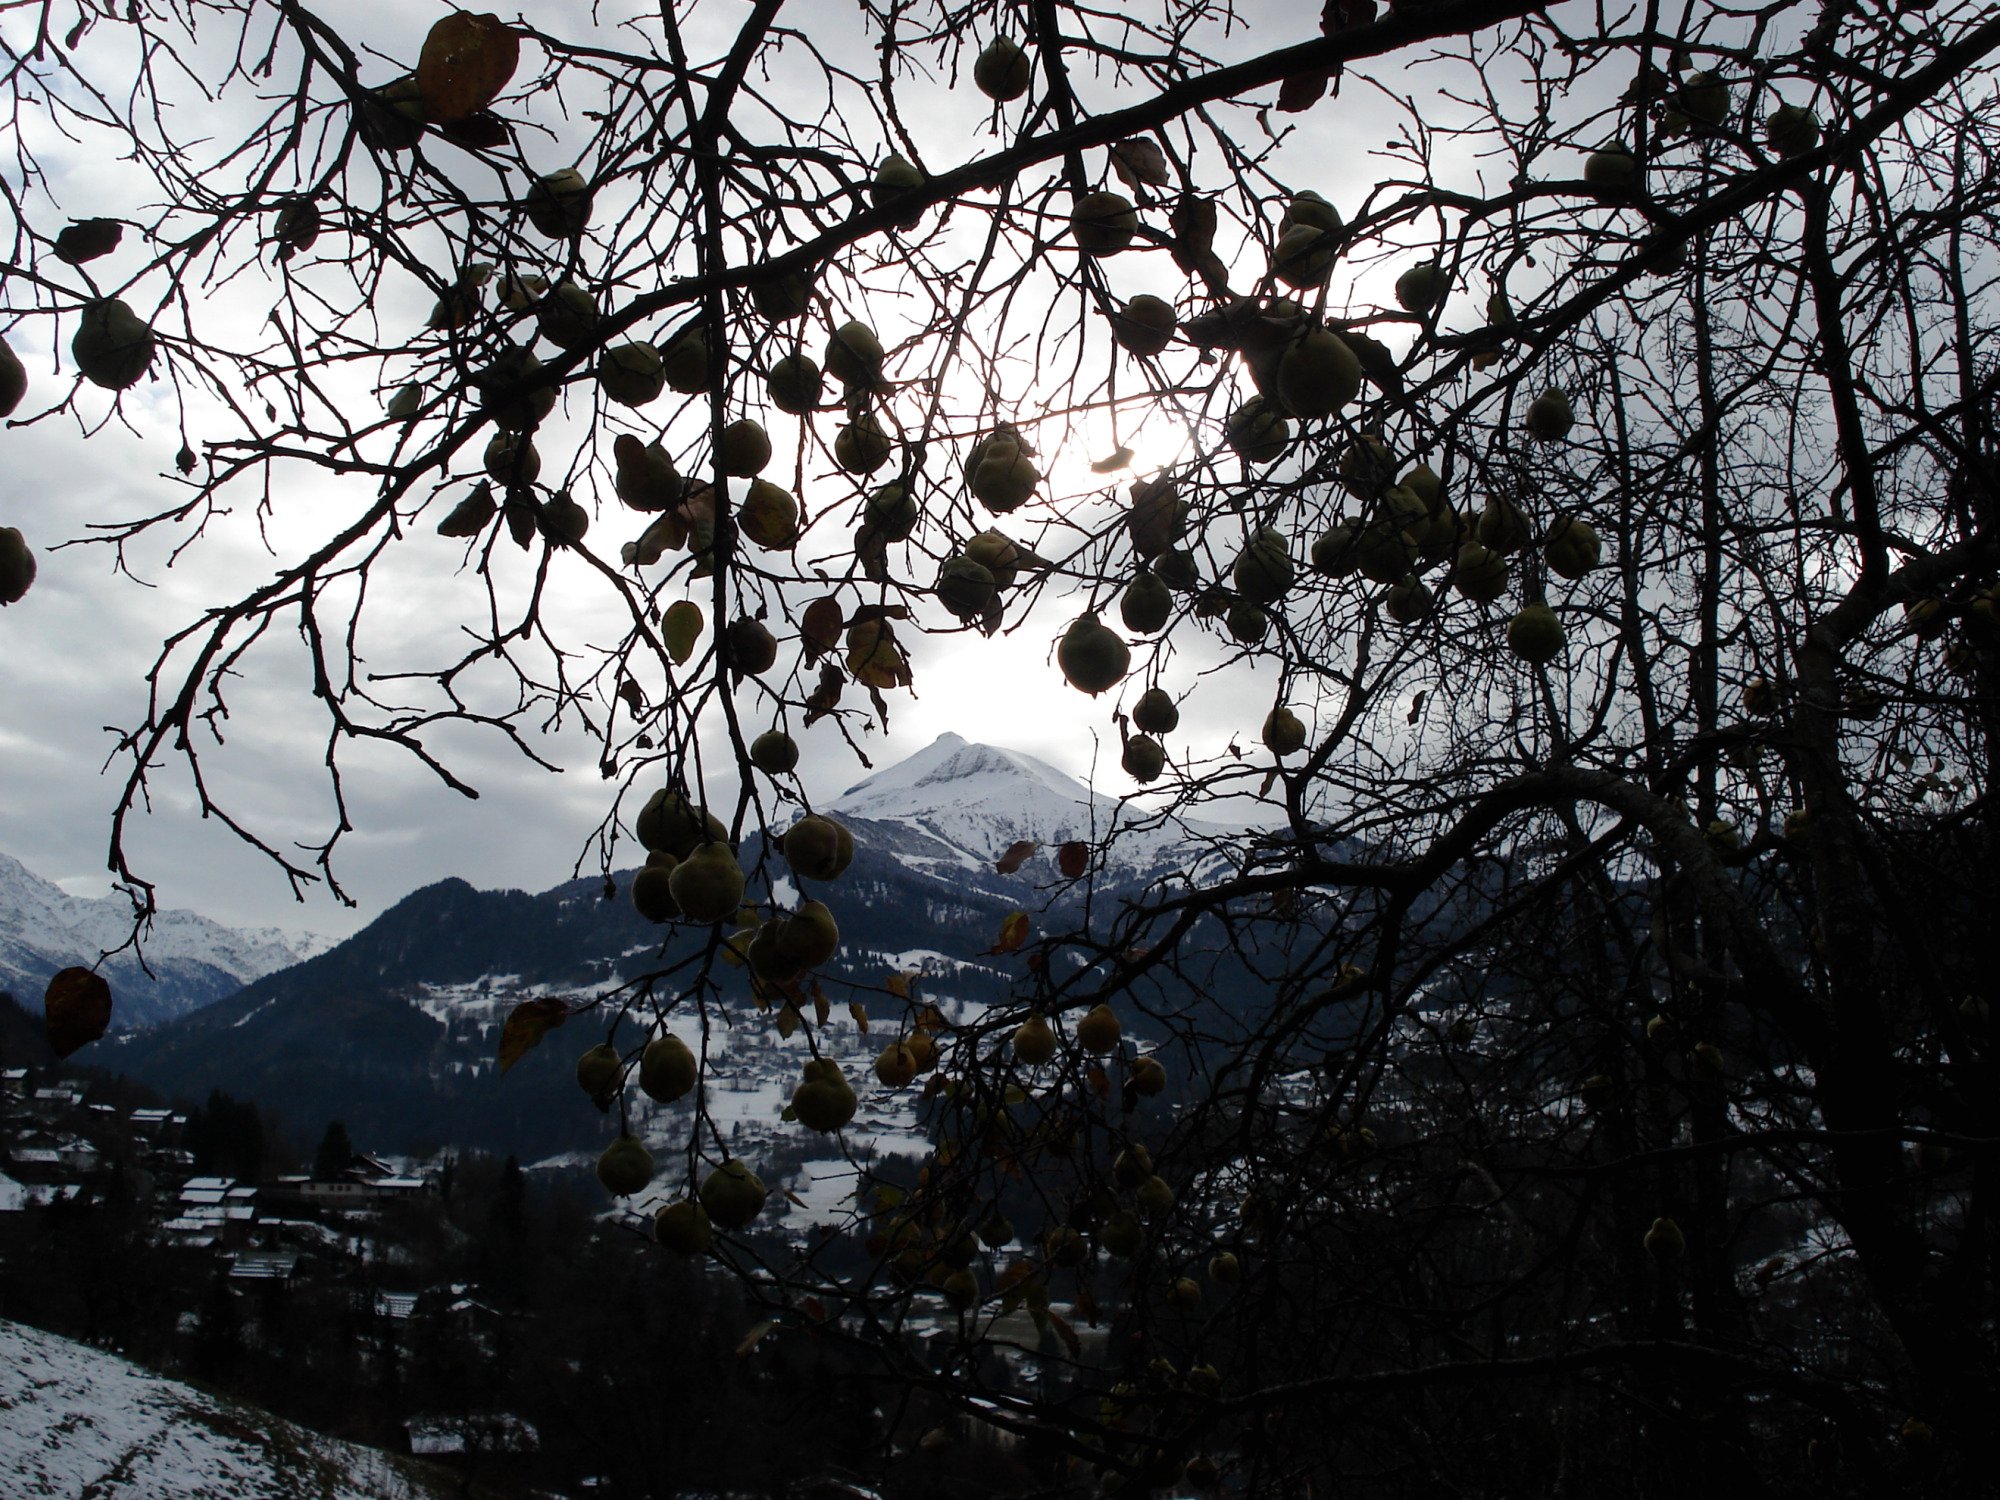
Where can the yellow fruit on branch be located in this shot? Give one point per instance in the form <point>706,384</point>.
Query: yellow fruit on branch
<point>685,362</point>
<point>625,1167</point>
<point>1535,635</point>
<point>668,1069</point>
<point>1091,656</point>
<point>631,374</point>
<point>894,178</point>
<point>795,384</point>
<point>1573,547</point>
<point>708,884</point>
<point>895,1065</point>
<point>1143,758</point>
<point>558,205</point>
<point>774,752</point>
<point>1156,713</point>
<point>1102,223</point>
<point>1034,1041</point>
<point>1098,1031</point>
<point>1145,325</point>
<point>1549,416</point>
<point>1262,572</point>
<point>1257,432</point>
<point>817,847</point>
<point>1284,732</point>
<point>1318,374</point>
<point>733,1195</point>
<point>854,356</point>
<point>823,1101</point>
<point>17,565</point>
<point>683,1227</point>
<point>112,345</point>
<point>1002,71</point>
<point>599,1072</point>
<point>652,891</point>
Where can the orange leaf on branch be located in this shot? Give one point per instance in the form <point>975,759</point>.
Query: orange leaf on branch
<point>1018,853</point>
<point>466,62</point>
<point>1013,933</point>
<point>526,1025</point>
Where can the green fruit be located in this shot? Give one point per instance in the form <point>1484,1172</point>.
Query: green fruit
<point>1263,572</point>
<point>1146,605</point>
<point>1103,223</point>
<point>823,1101</point>
<point>1664,1241</point>
<point>599,1072</point>
<point>1704,97</point>
<point>996,553</point>
<point>862,447</point>
<point>1535,635</point>
<point>1549,416</point>
<point>1224,1269</point>
<point>708,884</point>
<point>1384,552</point>
<point>1034,1041</point>
<point>1284,732</point>
<point>769,516</point>
<point>1156,1199</point>
<point>1422,288</point>
<point>749,647</point>
<point>1000,473</point>
<point>684,362</point>
<point>1318,374</point>
<point>1098,1031</point>
<point>112,346</point>
<point>1145,325</point>
<point>1185,1294</point>
<point>1091,656</point>
<point>1573,547</point>
<point>774,752</point>
<point>669,823</point>
<point>1335,552</point>
<point>964,587</point>
<point>1310,210</point>
<point>1002,71</point>
<point>1149,1077</point>
<point>1407,602</point>
<point>558,205</point>
<point>744,449</point>
<point>631,374</point>
<point>854,356</point>
<point>1612,168</point>
<point>511,458</point>
<point>896,176</point>
<point>1304,256</point>
<point>13,380</point>
<point>17,565</point>
<point>1176,570</point>
<point>1503,529</point>
<point>1423,482</point>
<point>810,937</point>
<point>391,118</point>
<point>733,1195</point>
<point>1367,467</point>
<point>1792,130</point>
<point>1158,517</point>
<point>1479,574</point>
<point>682,1226</point>
<point>1143,758</point>
<point>795,384</point>
<point>625,1167</point>
<point>892,513</point>
<point>1247,622</point>
<point>817,847</point>
<point>1257,432</point>
<point>1156,713</point>
<point>782,298</point>
<point>652,891</point>
<point>1122,1235</point>
<point>667,1069</point>
<point>895,1066</point>
<point>644,477</point>
<point>501,385</point>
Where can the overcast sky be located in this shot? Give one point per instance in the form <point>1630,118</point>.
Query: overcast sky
<point>76,650</point>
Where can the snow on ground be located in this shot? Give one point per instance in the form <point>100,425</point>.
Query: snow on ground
<point>82,1423</point>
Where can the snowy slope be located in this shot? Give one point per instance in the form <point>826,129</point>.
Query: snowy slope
<point>80,1423</point>
<point>960,805</point>
<point>195,961</point>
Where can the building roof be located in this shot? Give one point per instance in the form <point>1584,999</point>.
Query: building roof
<point>264,1265</point>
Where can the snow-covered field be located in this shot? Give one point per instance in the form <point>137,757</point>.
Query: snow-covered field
<point>80,1424</point>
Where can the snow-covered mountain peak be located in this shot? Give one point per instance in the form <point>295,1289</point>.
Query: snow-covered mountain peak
<point>953,772</point>
<point>194,960</point>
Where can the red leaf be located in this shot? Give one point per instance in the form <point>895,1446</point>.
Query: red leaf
<point>527,1023</point>
<point>1013,933</point>
<point>76,1009</point>
<point>1073,859</point>
<point>1302,91</point>
<point>1018,853</point>
<point>465,63</point>
<point>820,626</point>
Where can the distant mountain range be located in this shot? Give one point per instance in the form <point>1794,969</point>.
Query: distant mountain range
<point>395,1031</point>
<point>194,961</point>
